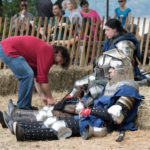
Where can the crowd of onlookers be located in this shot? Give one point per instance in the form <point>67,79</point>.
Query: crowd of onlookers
<point>46,8</point>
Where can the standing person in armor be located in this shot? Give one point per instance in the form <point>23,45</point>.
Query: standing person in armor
<point>117,106</point>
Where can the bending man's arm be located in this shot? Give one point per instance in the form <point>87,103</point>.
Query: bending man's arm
<point>45,93</point>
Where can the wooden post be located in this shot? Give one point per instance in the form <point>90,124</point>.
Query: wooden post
<point>89,43</point>
<point>10,27</point>
<point>56,26</point>
<point>17,27</point>
<point>22,27</point>
<point>147,44</point>
<point>60,30</point>
<point>65,32</point>
<point>100,39</point>
<point>28,26</point>
<point>142,37</point>
<point>95,40</point>
<point>74,41</point>
<point>70,33</point>
<point>39,26</point>
<point>33,27</point>
<point>137,29</point>
<point>79,43</point>
<point>84,44</point>
<point>49,29</point>
<point>4,35</point>
<point>44,29</point>
<point>132,23</point>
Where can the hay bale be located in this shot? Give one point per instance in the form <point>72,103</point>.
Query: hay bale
<point>60,79</point>
<point>8,82</point>
<point>143,121</point>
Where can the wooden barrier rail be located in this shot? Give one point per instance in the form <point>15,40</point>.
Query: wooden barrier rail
<point>85,47</point>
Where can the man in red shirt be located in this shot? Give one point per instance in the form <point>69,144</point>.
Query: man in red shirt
<point>30,59</point>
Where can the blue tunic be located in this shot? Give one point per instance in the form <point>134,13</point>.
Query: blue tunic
<point>107,101</point>
<point>123,14</point>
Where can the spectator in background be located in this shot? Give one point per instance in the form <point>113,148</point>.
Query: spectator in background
<point>44,9</point>
<point>64,7</point>
<point>123,12</point>
<point>72,6</point>
<point>86,12</point>
<point>57,11</point>
<point>21,15</point>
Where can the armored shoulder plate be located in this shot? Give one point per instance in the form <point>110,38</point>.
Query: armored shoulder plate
<point>127,47</point>
<point>112,89</point>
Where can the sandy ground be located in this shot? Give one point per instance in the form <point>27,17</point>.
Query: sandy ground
<point>137,140</point>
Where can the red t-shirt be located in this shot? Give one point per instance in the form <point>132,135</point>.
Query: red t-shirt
<point>38,54</point>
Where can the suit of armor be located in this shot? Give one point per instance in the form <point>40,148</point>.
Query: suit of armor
<point>118,103</point>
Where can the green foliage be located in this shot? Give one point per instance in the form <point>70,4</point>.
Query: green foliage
<point>11,7</point>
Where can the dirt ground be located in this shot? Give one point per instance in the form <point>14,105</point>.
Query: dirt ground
<point>137,140</point>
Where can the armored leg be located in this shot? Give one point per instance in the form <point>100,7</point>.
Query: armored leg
<point>57,130</point>
<point>73,125</point>
<point>20,114</point>
<point>23,134</point>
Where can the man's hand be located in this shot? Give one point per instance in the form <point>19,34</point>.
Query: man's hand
<point>51,102</point>
<point>85,112</point>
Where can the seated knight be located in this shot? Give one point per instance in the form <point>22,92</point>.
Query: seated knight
<point>115,108</point>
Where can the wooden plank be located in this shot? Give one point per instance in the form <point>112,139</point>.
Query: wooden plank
<point>142,37</point>
<point>94,45</point>
<point>89,42</point>
<point>22,27</point>
<point>33,27</point>
<point>0,24</point>
<point>60,30</point>
<point>147,45</point>
<point>10,27</point>
<point>49,29</point>
<point>17,27</point>
<point>74,42</point>
<point>79,42</point>
<point>55,29</point>
<point>28,26</point>
<point>100,39</point>
<point>82,58</point>
<point>4,28</point>
<point>137,29</point>
<point>4,35</point>
<point>44,29</point>
<point>39,27</point>
<point>132,23</point>
<point>70,33</point>
<point>66,30</point>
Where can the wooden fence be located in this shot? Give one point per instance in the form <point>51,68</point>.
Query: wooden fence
<point>85,47</point>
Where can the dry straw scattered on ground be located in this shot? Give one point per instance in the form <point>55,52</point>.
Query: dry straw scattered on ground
<point>136,140</point>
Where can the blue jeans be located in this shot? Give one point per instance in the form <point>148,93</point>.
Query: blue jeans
<point>24,74</point>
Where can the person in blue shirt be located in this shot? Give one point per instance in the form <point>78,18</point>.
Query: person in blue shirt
<point>123,12</point>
